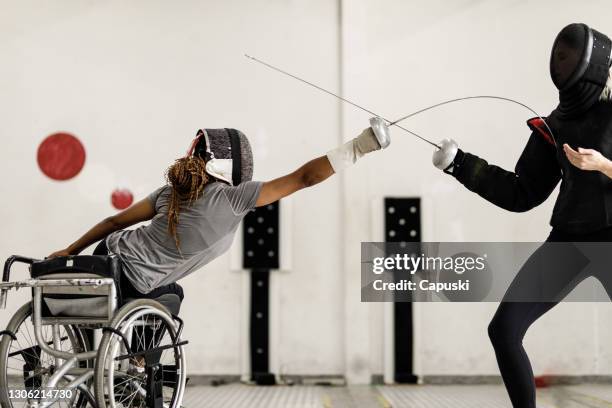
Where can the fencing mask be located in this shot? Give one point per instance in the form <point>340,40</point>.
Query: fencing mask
<point>227,153</point>
<point>579,67</point>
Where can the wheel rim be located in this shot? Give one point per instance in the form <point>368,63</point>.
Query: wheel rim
<point>129,388</point>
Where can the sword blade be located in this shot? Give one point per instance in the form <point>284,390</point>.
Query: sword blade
<point>270,66</point>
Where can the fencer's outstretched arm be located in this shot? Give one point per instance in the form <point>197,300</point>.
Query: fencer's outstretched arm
<point>536,174</point>
<point>321,168</point>
<point>311,173</point>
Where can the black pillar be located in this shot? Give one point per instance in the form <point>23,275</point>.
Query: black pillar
<point>260,256</point>
<point>403,225</point>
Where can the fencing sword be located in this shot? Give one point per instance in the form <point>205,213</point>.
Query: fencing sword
<point>376,124</point>
<point>466,98</point>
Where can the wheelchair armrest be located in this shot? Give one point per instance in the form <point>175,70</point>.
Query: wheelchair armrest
<point>6,273</point>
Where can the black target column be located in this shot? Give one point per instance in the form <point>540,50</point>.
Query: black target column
<point>403,226</point>
<point>260,255</point>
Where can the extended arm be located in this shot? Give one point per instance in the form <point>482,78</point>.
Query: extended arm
<point>535,177</point>
<point>141,211</point>
<point>321,168</point>
<point>311,173</point>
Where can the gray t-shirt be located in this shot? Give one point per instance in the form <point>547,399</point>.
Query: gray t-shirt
<point>205,229</point>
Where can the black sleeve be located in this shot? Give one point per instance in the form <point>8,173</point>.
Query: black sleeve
<point>536,174</point>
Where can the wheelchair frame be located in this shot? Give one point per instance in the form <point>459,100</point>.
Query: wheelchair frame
<point>66,362</point>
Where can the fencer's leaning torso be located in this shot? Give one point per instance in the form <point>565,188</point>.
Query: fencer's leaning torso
<point>206,229</point>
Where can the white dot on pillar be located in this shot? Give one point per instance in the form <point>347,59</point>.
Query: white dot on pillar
<point>258,315</point>
<point>391,210</point>
<point>250,230</point>
<point>402,244</point>
<point>259,283</point>
<point>413,233</point>
<point>391,233</point>
<point>249,253</point>
<point>413,209</point>
<point>270,254</point>
<point>259,351</point>
<point>402,221</point>
<point>270,207</point>
<point>260,241</point>
<point>260,220</point>
<point>270,230</point>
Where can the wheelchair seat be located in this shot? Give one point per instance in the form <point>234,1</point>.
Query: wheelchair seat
<point>170,301</point>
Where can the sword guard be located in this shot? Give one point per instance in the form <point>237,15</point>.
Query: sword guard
<point>381,131</point>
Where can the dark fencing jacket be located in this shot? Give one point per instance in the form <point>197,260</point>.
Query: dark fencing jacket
<point>584,203</point>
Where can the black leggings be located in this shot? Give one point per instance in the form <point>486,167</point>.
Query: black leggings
<point>512,319</point>
<point>128,291</point>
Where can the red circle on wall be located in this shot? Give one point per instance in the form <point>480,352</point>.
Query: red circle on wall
<point>122,198</point>
<point>61,156</point>
<point>542,381</point>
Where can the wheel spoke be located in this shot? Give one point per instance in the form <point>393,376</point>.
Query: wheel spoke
<point>150,329</point>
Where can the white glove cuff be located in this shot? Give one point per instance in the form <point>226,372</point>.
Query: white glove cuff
<point>344,156</point>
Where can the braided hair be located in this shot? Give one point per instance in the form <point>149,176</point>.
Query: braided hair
<point>187,177</point>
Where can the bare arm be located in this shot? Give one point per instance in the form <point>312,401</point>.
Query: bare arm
<point>141,211</point>
<point>311,173</point>
<point>321,168</point>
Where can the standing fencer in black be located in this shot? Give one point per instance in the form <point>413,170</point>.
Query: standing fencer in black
<point>574,153</point>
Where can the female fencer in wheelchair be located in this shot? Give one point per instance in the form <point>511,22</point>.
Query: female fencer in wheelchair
<point>103,330</point>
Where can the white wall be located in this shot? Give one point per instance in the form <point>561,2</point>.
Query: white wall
<point>134,80</point>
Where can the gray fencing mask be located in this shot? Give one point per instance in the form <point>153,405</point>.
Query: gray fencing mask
<point>227,153</point>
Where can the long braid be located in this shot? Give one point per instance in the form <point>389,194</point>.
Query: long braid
<point>187,177</point>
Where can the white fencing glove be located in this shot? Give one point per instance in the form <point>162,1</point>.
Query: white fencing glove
<point>371,139</point>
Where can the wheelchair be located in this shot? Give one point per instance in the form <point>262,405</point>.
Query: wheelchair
<point>78,343</point>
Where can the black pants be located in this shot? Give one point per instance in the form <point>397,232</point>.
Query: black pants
<point>128,291</point>
<point>512,319</point>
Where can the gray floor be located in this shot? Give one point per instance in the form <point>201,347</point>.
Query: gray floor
<point>417,396</point>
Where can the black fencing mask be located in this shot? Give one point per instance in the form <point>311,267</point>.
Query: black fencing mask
<point>579,67</point>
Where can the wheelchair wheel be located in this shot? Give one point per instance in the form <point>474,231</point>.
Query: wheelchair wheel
<point>154,376</point>
<point>23,365</point>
